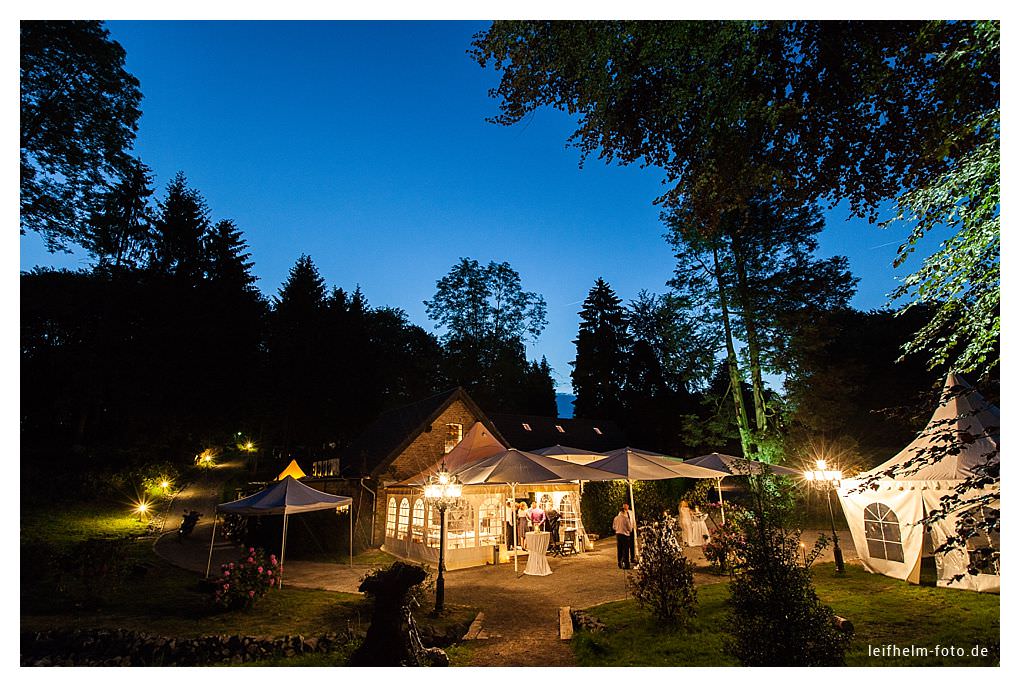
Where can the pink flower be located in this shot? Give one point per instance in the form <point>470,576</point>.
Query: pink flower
<point>270,573</point>
<point>250,559</point>
<point>251,593</point>
<point>226,586</point>
<point>226,573</point>
<point>260,568</point>
<point>251,550</point>
<point>231,566</point>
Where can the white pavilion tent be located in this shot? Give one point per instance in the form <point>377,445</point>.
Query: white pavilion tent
<point>884,506</point>
<point>286,497</point>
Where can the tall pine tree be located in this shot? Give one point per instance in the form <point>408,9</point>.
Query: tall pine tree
<point>600,365</point>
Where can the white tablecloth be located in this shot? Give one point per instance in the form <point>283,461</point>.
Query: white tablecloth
<point>536,543</point>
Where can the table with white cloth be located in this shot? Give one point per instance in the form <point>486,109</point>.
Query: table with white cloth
<point>536,543</point>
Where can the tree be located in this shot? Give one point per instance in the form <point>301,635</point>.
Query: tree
<point>756,279</point>
<point>488,317</point>
<point>805,111</point>
<point>180,232</point>
<point>120,228</point>
<point>664,582</point>
<point>227,260</point>
<point>79,114</point>
<point>600,363</point>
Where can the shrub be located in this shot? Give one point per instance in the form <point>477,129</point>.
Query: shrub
<point>664,582</point>
<point>724,546</point>
<point>92,569</point>
<point>246,581</point>
<point>776,618</point>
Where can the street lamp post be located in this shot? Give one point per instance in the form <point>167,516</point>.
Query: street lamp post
<point>441,492</point>
<point>827,480</point>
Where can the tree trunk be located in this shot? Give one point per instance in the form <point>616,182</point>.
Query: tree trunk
<point>743,426</point>
<point>753,349</point>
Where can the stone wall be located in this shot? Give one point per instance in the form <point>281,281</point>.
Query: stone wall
<point>128,648</point>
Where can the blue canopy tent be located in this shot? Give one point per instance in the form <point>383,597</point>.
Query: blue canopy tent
<point>286,497</point>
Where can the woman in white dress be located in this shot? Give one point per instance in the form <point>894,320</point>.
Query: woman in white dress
<point>686,524</point>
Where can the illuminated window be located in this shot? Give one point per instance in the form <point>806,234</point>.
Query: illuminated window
<point>526,426</point>
<point>882,532</point>
<point>418,521</point>
<point>559,428</point>
<point>404,519</point>
<point>460,526</point>
<point>490,521</point>
<point>391,518</point>
<point>598,431</point>
<point>454,433</point>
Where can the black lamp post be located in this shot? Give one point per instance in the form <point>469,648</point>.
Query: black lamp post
<point>441,492</point>
<point>827,480</point>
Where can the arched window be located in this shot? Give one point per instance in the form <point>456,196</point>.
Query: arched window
<point>490,521</point>
<point>391,517</point>
<point>546,502</point>
<point>460,526</point>
<point>404,519</point>
<point>568,516</point>
<point>418,521</point>
<point>882,532</point>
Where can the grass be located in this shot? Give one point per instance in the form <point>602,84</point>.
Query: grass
<point>883,610</point>
<point>166,600</point>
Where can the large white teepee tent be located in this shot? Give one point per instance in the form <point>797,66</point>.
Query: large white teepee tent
<point>883,508</point>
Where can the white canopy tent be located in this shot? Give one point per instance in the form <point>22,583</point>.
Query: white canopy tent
<point>884,506</point>
<point>286,497</point>
<point>733,465</point>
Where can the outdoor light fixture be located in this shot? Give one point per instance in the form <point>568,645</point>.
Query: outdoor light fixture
<point>826,480</point>
<point>442,491</point>
<point>142,508</point>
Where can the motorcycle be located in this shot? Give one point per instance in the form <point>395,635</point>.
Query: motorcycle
<point>188,523</point>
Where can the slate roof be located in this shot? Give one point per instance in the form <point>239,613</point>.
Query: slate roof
<point>393,431</point>
<point>542,431</point>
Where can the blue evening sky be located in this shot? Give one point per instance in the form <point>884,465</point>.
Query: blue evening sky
<point>365,145</point>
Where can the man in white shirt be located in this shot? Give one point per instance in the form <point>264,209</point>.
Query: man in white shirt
<point>623,526</point>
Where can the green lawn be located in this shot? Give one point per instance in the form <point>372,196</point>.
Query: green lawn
<point>168,601</point>
<point>883,610</point>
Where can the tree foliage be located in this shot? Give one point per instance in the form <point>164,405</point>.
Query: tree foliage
<point>664,582</point>
<point>802,110</point>
<point>79,114</point>
<point>488,317</point>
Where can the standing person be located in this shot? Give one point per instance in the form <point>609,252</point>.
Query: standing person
<point>522,523</point>
<point>509,516</point>
<point>623,526</point>
<point>687,524</point>
<point>537,516</point>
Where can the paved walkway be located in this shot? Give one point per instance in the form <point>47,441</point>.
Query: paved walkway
<point>521,611</point>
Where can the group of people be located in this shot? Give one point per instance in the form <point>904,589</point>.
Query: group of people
<point>528,519</point>
<point>693,531</point>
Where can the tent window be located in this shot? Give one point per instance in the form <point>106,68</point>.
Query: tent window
<point>597,431</point>
<point>418,521</point>
<point>882,532</point>
<point>454,433</point>
<point>391,518</point>
<point>404,519</point>
<point>490,521</point>
<point>559,428</point>
<point>526,426</point>
<point>460,526</point>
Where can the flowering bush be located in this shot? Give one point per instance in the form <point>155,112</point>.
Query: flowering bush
<point>664,582</point>
<point>246,581</point>
<point>723,548</point>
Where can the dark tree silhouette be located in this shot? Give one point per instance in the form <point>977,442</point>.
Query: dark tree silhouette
<point>600,364</point>
<point>79,113</point>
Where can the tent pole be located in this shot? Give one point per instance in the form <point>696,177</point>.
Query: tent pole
<point>513,498</point>
<point>722,511</point>
<point>633,514</point>
<point>350,550</point>
<point>212,540</point>
<point>283,547</point>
